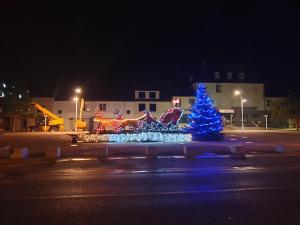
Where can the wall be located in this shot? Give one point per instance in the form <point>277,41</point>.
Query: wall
<point>68,110</point>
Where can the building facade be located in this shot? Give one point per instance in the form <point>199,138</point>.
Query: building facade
<point>149,100</point>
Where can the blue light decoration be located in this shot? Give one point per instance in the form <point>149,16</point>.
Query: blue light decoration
<point>137,137</point>
<point>205,121</point>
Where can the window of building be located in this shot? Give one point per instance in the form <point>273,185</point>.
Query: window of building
<point>218,88</point>
<point>191,101</point>
<point>128,111</point>
<point>217,75</point>
<point>176,102</point>
<point>102,107</point>
<point>142,107</point>
<point>152,94</point>
<point>153,107</point>
<point>229,75</point>
<point>142,94</point>
<point>242,76</point>
<point>59,112</point>
<point>268,102</point>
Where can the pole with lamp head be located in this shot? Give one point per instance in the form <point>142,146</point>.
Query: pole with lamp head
<point>45,122</point>
<point>76,98</point>
<point>238,93</point>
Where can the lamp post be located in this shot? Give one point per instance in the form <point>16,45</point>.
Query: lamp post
<point>45,122</point>
<point>77,91</point>
<point>238,93</point>
<point>76,103</point>
<point>266,116</point>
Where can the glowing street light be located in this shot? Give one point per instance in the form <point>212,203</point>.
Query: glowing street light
<point>243,100</point>
<point>76,103</point>
<point>76,98</point>
<point>4,85</point>
<point>236,93</point>
<point>78,90</point>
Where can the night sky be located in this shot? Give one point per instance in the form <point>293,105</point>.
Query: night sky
<point>120,41</point>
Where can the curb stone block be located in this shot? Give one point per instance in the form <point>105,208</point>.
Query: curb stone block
<point>20,153</point>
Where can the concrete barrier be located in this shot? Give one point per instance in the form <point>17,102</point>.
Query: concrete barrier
<point>20,153</point>
<point>53,153</point>
<point>279,148</point>
<point>4,151</point>
<point>237,151</point>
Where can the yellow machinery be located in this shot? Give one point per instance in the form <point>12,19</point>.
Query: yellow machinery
<point>81,125</point>
<point>53,122</point>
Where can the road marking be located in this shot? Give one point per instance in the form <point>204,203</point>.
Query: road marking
<point>145,194</point>
<point>76,159</point>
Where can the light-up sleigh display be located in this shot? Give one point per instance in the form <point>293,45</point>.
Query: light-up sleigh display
<point>145,128</point>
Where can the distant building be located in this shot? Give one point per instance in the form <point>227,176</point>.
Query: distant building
<point>157,97</point>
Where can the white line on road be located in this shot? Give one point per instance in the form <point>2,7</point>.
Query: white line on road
<point>145,194</point>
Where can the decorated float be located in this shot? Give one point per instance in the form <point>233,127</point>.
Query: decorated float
<point>145,128</point>
<point>205,124</point>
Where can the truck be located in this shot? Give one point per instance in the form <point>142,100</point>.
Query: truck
<point>49,122</point>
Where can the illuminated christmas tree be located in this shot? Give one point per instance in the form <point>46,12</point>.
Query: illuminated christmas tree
<point>205,121</point>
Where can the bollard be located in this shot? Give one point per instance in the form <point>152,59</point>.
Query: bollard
<point>238,152</point>
<point>20,153</point>
<point>74,139</point>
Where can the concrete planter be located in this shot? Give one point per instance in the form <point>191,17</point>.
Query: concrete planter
<point>5,151</point>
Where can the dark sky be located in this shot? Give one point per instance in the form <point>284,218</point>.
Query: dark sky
<point>45,40</point>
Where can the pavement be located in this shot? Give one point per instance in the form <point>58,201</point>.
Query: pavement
<point>209,189</point>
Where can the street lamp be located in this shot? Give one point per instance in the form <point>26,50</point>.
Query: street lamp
<point>266,116</point>
<point>238,93</point>
<point>45,122</point>
<point>78,90</point>
<point>76,98</point>
<point>76,103</point>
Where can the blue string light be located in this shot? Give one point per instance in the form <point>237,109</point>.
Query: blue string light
<point>205,121</point>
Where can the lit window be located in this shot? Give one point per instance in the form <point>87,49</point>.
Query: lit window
<point>142,94</point>
<point>102,107</point>
<point>142,107</point>
<point>152,94</point>
<point>152,107</point>
<point>242,76</point>
<point>218,88</point>
<point>229,75</point>
<point>217,75</point>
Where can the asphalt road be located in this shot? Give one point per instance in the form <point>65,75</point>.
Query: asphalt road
<point>263,189</point>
